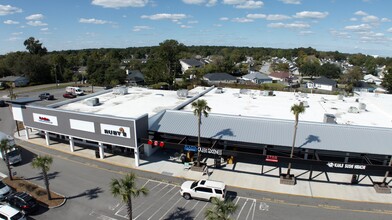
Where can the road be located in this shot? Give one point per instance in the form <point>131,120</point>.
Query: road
<point>86,184</point>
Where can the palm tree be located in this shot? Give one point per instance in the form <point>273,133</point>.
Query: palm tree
<point>200,108</point>
<point>43,163</point>
<point>126,189</point>
<point>4,148</point>
<point>296,109</point>
<point>221,210</point>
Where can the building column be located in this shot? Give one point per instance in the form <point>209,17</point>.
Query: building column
<point>71,144</point>
<point>306,154</point>
<point>47,138</point>
<point>27,133</point>
<point>136,156</point>
<point>346,158</point>
<point>101,152</point>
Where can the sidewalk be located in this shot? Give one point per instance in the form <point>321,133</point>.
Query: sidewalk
<point>240,175</point>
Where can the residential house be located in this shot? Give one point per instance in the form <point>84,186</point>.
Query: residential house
<point>369,78</point>
<point>16,81</point>
<point>257,77</point>
<point>216,78</point>
<point>280,76</point>
<point>134,77</point>
<point>362,86</point>
<point>190,63</point>
<point>322,83</point>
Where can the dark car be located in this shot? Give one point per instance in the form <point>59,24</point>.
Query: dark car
<point>107,87</point>
<point>46,96</point>
<point>2,103</point>
<point>23,201</point>
<point>69,95</point>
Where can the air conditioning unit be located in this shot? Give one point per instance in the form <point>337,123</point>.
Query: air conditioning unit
<point>92,102</point>
<point>330,118</point>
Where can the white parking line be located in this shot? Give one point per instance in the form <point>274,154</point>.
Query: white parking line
<point>163,205</point>
<point>154,202</point>
<point>242,208</point>
<point>172,208</point>
<point>100,216</point>
<point>252,207</point>
<point>114,207</point>
<point>201,210</point>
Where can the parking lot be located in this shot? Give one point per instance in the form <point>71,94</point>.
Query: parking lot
<point>165,202</point>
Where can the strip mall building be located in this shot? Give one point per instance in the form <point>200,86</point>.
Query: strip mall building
<point>335,134</point>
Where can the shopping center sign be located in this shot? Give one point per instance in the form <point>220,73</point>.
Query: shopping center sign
<point>346,166</point>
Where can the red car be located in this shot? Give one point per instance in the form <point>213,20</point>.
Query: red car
<point>69,95</point>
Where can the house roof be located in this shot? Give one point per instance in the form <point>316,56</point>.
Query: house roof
<point>319,136</point>
<point>219,77</point>
<point>12,78</point>
<point>135,75</point>
<point>192,62</point>
<point>324,81</point>
<point>280,75</point>
<point>256,75</point>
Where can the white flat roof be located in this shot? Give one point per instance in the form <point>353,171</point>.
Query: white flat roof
<point>139,101</point>
<point>378,111</point>
<point>136,103</point>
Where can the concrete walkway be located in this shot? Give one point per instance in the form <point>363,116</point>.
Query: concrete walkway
<point>242,175</point>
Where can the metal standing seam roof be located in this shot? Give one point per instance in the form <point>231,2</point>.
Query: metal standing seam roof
<point>310,135</point>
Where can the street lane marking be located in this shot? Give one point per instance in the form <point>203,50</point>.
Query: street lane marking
<point>100,216</point>
<point>264,206</point>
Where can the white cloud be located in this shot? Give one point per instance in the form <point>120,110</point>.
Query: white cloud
<point>185,26</point>
<point>374,37</point>
<point>36,23</point>
<point>390,30</point>
<point>250,5</point>
<point>233,2</point>
<point>120,3</point>
<point>361,27</point>
<point>140,28</point>
<point>353,19</point>
<point>44,29</point>
<point>224,18</point>
<point>165,16</point>
<point>9,10</point>
<point>14,38</point>
<point>217,25</point>
<point>361,13</point>
<point>93,21</point>
<point>10,22</point>
<point>385,20</point>
<point>370,18</point>
<point>311,14</point>
<point>35,17</point>
<point>277,17</point>
<point>193,22</point>
<point>256,16</point>
<point>340,34</point>
<point>306,32</point>
<point>17,33</point>
<point>242,20</point>
<point>289,25</point>
<point>211,3</point>
<point>208,3</point>
<point>294,2</point>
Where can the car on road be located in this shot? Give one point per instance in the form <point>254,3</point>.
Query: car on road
<point>23,201</point>
<point>2,103</point>
<point>203,189</point>
<point>9,213</point>
<point>69,95</point>
<point>46,96</point>
<point>5,190</point>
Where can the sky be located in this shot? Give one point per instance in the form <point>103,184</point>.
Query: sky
<point>350,26</point>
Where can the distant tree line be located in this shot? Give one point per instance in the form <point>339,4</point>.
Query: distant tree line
<point>103,65</point>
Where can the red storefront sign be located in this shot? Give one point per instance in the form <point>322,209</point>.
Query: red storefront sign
<point>271,158</point>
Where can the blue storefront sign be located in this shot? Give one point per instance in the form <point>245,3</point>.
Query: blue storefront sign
<point>190,148</point>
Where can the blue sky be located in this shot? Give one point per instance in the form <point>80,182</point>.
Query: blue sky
<point>353,26</point>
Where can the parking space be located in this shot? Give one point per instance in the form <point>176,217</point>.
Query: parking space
<point>164,202</point>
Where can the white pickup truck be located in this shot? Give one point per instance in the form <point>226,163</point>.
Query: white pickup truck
<point>13,154</point>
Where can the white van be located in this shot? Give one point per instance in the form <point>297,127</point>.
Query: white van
<point>203,189</point>
<point>14,155</point>
<point>74,90</point>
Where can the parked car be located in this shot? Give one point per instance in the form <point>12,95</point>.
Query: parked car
<point>46,96</point>
<point>107,87</point>
<point>2,103</point>
<point>203,189</point>
<point>9,213</point>
<point>5,190</point>
<point>23,201</point>
<point>69,95</point>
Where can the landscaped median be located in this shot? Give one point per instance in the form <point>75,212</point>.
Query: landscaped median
<point>39,193</point>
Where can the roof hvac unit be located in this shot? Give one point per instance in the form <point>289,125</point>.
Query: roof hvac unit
<point>219,90</point>
<point>268,93</point>
<point>353,109</point>
<point>244,91</point>
<point>120,90</point>
<point>182,93</point>
<point>92,102</point>
<point>305,103</point>
<point>362,106</point>
<point>329,118</point>
<point>340,97</point>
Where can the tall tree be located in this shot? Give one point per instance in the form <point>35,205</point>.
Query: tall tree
<point>4,148</point>
<point>168,51</point>
<point>221,210</point>
<point>200,107</point>
<point>34,46</point>
<point>43,163</point>
<point>387,81</point>
<point>126,189</point>
<point>352,78</point>
<point>330,70</point>
<point>296,110</point>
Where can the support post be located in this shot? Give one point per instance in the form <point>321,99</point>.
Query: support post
<point>101,152</point>
<point>71,144</point>
<point>306,154</point>
<point>136,156</point>
<point>47,138</point>
<point>346,158</point>
<point>27,133</point>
